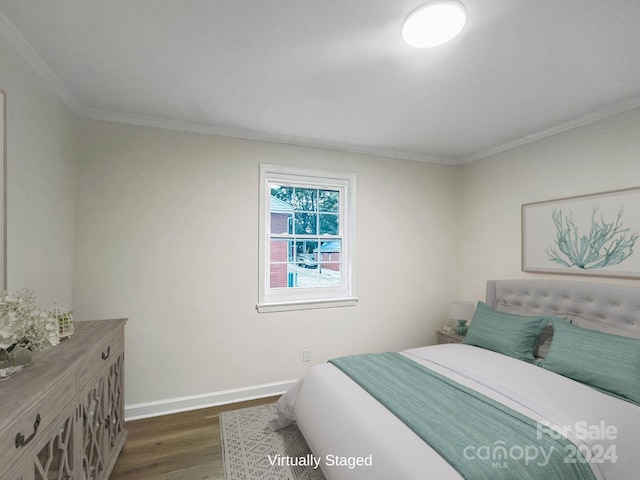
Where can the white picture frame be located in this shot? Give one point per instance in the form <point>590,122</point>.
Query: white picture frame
<point>597,235</point>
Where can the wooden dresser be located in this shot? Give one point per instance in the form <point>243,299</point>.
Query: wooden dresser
<point>63,416</point>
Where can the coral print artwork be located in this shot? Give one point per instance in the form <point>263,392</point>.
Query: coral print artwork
<point>589,235</point>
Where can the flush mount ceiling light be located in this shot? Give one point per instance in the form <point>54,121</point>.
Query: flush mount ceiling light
<point>434,23</point>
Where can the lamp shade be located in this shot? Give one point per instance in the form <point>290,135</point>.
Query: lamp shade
<point>461,310</point>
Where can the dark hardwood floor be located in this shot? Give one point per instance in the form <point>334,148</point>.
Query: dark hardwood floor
<point>180,446</point>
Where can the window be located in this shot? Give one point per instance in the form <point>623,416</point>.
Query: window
<point>306,239</point>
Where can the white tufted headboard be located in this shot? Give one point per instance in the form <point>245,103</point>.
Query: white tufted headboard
<point>602,307</point>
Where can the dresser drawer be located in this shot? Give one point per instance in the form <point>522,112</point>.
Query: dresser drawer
<point>21,434</point>
<point>108,351</point>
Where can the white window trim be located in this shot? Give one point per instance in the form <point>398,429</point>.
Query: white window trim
<point>279,300</point>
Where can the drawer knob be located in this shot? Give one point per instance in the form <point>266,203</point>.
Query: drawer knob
<point>106,355</point>
<point>21,441</point>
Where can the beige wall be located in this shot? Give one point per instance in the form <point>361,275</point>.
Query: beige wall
<point>599,157</point>
<point>41,175</point>
<point>167,235</point>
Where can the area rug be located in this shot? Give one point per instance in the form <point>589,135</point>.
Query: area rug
<point>252,450</point>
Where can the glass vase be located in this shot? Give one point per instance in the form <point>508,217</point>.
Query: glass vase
<point>13,359</point>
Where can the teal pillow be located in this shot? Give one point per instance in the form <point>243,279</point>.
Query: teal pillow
<point>506,333</point>
<point>607,362</point>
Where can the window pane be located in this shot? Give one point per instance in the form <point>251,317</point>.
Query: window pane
<point>293,270</point>
<point>306,277</point>
<point>329,200</point>
<point>284,194</point>
<point>281,222</point>
<point>281,210</point>
<point>306,224</point>
<point>279,250</point>
<point>278,275</point>
<point>318,277</point>
<point>302,277</point>
<point>305,199</point>
<point>330,275</point>
<point>329,224</point>
<point>307,254</point>
<point>331,262</point>
<point>334,246</point>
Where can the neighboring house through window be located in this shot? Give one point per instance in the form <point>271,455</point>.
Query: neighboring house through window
<point>306,239</point>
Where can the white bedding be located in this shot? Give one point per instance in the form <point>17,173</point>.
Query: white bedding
<point>342,423</point>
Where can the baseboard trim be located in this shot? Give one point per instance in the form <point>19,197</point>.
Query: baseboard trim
<point>138,411</point>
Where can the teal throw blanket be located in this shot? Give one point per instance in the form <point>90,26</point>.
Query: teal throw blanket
<point>479,437</point>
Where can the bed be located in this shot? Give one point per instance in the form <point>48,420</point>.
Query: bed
<point>581,387</point>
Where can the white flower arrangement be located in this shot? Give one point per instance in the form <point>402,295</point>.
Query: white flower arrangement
<point>22,323</point>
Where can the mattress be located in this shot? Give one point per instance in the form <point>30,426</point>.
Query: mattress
<point>355,437</point>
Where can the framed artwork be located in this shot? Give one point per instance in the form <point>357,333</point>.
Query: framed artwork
<point>3,190</point>
<point>595,234</point>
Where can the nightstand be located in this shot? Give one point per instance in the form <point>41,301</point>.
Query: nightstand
<point>449,337</point>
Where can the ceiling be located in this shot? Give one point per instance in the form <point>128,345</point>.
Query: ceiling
<point>335,73</point>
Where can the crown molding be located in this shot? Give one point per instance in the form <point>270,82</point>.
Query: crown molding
<point>12,36</point>
<point>15,40</point>
<point>156,122</point>
<point>606,112</point>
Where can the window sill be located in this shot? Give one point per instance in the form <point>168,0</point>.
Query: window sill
<point>306,305</point>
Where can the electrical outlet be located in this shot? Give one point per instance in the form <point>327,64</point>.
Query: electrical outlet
<point>306,355</point>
